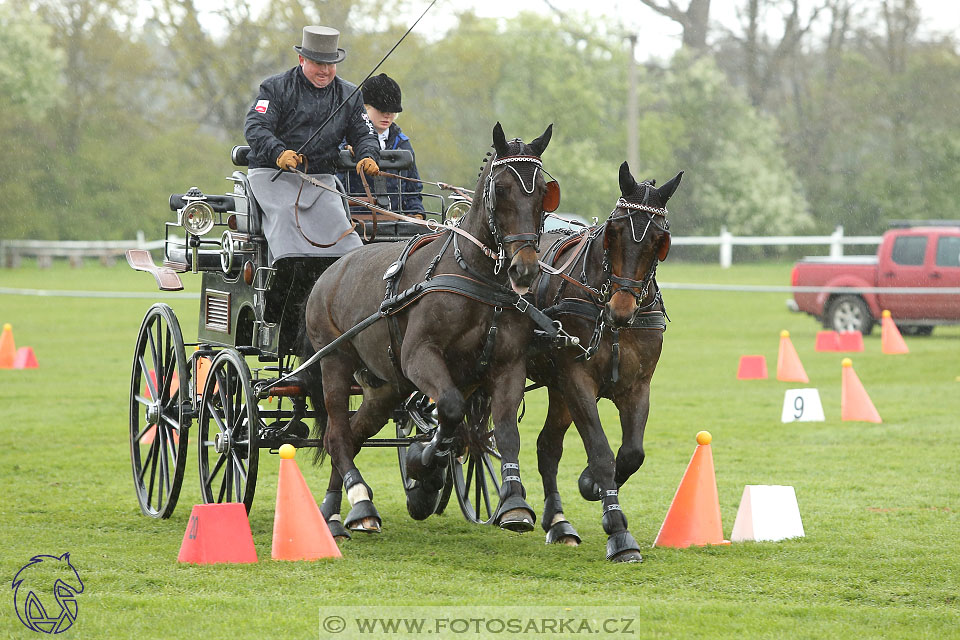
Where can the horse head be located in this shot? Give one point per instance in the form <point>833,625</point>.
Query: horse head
<point>636,237</point>
<point>514,196</point>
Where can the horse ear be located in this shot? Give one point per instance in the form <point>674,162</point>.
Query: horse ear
<point>627,183</point>
<point>540,144</point>
<point>667,189</point>
<point>499,140</point>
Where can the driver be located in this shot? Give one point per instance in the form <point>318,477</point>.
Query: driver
<point>301,219</point>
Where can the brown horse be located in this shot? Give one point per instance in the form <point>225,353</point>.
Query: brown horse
<point>444,300</point>
<point>610,300</point>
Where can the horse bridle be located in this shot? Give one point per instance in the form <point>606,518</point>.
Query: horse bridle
<point>656,216</point>
<point>490,204</point>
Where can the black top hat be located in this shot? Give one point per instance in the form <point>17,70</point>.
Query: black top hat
<point>383,93</point>
<point>320,45</point>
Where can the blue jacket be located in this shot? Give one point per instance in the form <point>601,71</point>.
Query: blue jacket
<point>408,191</point>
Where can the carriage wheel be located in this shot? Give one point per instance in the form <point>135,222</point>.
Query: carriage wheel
<point>159,399</point>
<point>475,474</point>
<point>420,417</point>
<point>229,432</point>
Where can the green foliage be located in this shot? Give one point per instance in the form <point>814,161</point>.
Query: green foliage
<point>119,112</point>
<point>738,176</point>
<point>29,83</point>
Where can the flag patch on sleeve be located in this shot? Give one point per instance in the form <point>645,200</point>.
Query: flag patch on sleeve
<point>262,106</point>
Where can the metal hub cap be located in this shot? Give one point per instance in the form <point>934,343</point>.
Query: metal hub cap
<point>221,443</point>
<point>153,413</point>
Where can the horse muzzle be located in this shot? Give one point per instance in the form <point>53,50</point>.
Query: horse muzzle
<point>524,267</point>
<point>619,310</point>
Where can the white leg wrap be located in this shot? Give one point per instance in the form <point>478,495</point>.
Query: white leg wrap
<point>357,493</point>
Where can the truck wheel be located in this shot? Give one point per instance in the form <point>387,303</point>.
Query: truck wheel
<point>850,313</point>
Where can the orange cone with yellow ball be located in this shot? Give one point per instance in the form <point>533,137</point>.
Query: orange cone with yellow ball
<point>890,339</point>
<point>299,529</point>
<point>789,367</point>
<point>8,349</point>
<point>855,404</point>
<point>694,514</point>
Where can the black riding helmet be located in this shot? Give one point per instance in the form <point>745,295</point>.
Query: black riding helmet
<point>382,93</point>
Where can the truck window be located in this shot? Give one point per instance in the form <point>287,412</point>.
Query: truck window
<point>948,251</point>
<point>909,250</point>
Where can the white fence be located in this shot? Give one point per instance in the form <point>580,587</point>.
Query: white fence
<point>12,251</point>
<point>727,240</point>
<point>107,251</point>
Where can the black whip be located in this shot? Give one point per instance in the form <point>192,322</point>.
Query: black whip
<point>359,86</point>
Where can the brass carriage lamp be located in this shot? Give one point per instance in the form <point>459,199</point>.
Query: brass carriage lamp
<point>196,218</point>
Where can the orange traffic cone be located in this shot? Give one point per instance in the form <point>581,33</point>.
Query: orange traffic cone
<point>203,369</point>
<point>855,404</point>
<point>752,368</point>
<point>694,514</point>
<point>25,359</point>
<point>8,349</point>
<point>299,529</point>
<point>218,532</point>
<point>890,339</point>
<point>789,367</point>
<point>827,341</point>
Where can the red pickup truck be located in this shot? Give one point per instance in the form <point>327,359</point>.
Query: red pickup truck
<point>913,257</point>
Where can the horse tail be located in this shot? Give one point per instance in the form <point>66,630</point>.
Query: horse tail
<point>479,413</point>
<point>313,383</point>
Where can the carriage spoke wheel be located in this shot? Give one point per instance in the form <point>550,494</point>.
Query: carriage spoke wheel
<point>159,400</point>
<point>229,427</point>
<point>419,417</point>
<point>476,478</point>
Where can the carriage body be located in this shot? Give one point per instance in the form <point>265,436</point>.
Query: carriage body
<point>249,313</point>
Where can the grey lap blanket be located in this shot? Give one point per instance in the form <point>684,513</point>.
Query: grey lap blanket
<point>322,215</point>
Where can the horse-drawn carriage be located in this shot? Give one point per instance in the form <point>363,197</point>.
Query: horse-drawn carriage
<point>485,290</point>
<point>248,310</point>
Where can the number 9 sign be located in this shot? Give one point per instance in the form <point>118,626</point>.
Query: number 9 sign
<point>802,405</point>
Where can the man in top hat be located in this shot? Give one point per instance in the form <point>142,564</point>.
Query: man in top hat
<point>381,99</point>
<point>301,219</point>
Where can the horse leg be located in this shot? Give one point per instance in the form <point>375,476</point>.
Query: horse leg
<point>330,507</point>
<point>549,451</point>
<point>367,421</point>
<point>580,394</point>
<point>506,392</point>
<point>634,408</point>
<point>340,443</point>
<point>427,370</point>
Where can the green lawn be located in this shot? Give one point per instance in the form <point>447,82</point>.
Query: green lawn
<point>879,502</point>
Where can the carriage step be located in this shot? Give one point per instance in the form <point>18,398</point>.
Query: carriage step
<point>141,260</point>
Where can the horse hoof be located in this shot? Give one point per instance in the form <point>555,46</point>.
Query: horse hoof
<point>630,555</point>
<point>517,520</point>
<point>568,541</point>
<point>366,525</point>
<point>340,539</point>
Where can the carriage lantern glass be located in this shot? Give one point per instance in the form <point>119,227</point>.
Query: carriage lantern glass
<point>197,217</point>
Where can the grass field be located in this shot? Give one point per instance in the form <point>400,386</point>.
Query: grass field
<point>881,556</point>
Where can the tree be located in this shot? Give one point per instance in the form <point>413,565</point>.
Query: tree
<point>695,20</point>
<point>30,84</point>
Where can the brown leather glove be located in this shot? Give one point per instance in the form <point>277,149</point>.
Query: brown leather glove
<point>289,159</point>
<point>368,166</point>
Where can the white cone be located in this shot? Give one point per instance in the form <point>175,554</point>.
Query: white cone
<point>802,405</point>
<point>768,513</point>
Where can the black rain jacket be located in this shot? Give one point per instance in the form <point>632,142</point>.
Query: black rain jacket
<point>289,109</point>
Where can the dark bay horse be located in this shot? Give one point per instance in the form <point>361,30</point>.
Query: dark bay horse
<point>610,300</point>
<point>452,292</point>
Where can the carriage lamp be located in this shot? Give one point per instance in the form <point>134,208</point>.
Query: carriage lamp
<point>197,217</point>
